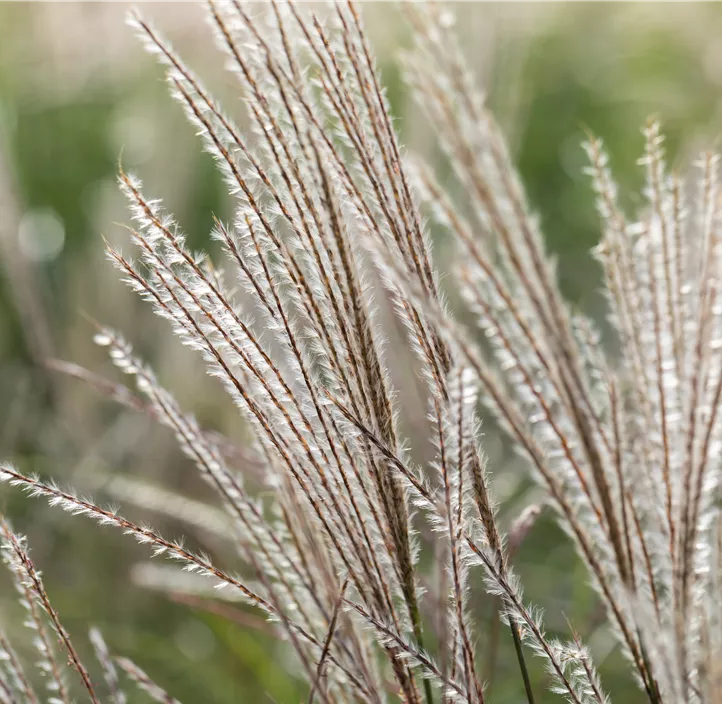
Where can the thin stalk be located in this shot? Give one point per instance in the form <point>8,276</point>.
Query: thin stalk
<point>650,684</point>
<point>522,662</point>
<point>413,606</point>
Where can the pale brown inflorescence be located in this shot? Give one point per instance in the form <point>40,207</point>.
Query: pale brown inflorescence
<point>328,204</point>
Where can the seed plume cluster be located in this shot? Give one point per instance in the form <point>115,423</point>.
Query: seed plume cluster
<point>332,226</point>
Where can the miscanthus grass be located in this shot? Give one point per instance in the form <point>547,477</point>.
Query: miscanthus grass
<point>332,217</point>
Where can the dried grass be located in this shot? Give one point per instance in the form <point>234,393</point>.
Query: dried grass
<point>328,204</point>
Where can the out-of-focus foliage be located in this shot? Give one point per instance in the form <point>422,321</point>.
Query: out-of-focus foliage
<point>77,93</point>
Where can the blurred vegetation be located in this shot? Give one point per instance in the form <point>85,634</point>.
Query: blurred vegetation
<point>76,92</point>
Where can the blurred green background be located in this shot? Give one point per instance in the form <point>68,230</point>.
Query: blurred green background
<point>77,91</point>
